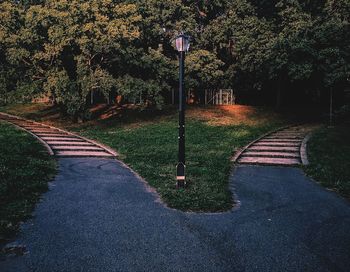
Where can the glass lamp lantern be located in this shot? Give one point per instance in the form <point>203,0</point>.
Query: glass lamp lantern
<point>182,43</point>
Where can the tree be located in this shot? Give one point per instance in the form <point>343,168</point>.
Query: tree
<point>293,57</point>
<point>203,71</point>
<point>79,51</point>
<point>10,21</point>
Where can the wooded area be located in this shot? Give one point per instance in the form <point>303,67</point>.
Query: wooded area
<point>270,52</point>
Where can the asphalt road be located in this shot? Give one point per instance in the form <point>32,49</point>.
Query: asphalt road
<point>98,216</point>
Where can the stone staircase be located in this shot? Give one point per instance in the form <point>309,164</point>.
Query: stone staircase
<point>58,142</point>
<point>286,147</point>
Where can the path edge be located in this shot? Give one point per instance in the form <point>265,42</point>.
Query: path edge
<point>303,148</point>
<point>150,189</point>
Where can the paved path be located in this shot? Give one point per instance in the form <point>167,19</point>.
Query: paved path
<point>284,147</point>
<point>98,216</point>
<point>59,142</point>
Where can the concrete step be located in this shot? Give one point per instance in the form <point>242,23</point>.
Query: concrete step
<point>51,132</point>
<point>271,148</point>
<point>76,148</point>
<point>287,135</point>
<point>35,127</point>
<point>61,135</point>
<point>67,143</point>
<point>58,139</point>
<point>271,154</point>
<point>289,131</point>
<point>63,144</point>
<point>262,143</point>
<point>281,140</point>
<point>82,154</point>
<point>284,137</point>
<point>269,161</point>
<point>44,130</point>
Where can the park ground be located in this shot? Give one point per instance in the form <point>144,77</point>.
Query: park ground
<point>25,169</point>
<point>147,142</point>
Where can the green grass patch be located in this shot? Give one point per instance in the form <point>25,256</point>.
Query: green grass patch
<point>329,155</point>
<point>25,169</point>
<point>212,136</point>
<point>152,151</point>
<point>148,143</point>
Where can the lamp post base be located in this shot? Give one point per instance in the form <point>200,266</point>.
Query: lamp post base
<point>180,175</point>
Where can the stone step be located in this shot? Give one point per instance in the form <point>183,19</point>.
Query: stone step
<point>269,161</point>
<point>262,143</point>
<point>82,154</point>
<point>38,128</point>
<point>281,140</point>
<point>66,143</point>
<point>26,124</point>
<point>51,132</point>
<point>284,137</point>
<point>289,131</point>
<point>76,148</point>
<point>288,134</point>
<point>271,154</point>
<point>271,148</point>
<point>44,130</point>
<point>58,139</point>
<point>62,135</point>
<point>63,144</point>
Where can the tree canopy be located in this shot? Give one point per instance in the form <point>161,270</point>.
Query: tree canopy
<point>75,51</point>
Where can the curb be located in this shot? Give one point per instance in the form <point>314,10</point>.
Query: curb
<point>303,147</point>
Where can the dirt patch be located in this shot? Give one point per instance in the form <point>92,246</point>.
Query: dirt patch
<point>131,116</point>
<point>224,115</point>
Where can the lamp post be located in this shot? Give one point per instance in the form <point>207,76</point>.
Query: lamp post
<point>182,46</point>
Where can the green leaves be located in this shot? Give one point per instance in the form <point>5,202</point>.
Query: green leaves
<point>146,92</point>
<point>101,46</point>
<point>204,70</point>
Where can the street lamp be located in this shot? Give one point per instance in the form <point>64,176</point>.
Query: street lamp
<point>182,45</point>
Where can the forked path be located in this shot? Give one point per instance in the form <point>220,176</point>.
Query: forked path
<point>99,216</point>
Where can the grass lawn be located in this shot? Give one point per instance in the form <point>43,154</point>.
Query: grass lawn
<point>329,155</point>
<point>147,142</point>
<point>25,169</point>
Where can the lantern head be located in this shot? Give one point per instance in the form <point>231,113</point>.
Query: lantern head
<point>182,43</point>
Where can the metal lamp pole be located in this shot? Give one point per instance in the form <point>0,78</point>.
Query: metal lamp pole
<point>182,45</point>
